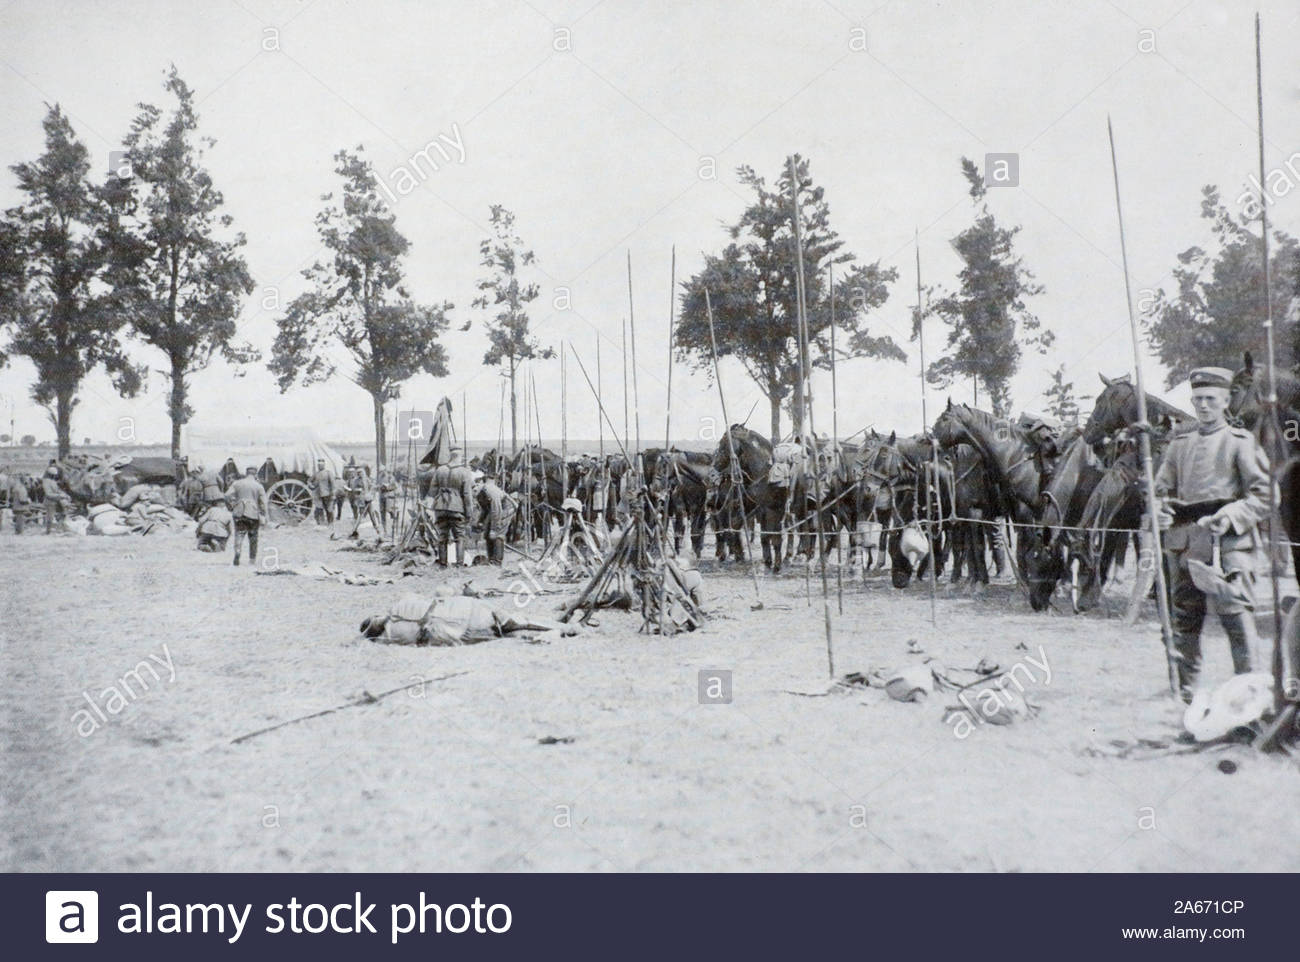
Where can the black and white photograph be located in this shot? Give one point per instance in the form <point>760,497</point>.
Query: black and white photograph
<point>613,436</point>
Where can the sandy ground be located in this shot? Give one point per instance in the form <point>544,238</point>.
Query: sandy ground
<point>454,775</point>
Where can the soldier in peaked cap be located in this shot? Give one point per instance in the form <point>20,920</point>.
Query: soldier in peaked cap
<point>1213,483</point>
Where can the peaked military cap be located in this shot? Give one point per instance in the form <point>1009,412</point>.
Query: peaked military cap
<point>1211,377</point>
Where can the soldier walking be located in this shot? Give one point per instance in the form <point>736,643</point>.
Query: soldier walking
<point>1213,487</point>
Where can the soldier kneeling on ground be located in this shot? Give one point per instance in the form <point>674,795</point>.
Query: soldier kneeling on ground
<point>215,527</point>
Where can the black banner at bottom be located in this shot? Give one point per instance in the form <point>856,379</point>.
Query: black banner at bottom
<point>641,916</point>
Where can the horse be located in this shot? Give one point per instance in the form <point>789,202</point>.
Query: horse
<point>976,500</point>
<point>1064,499</point>
<point>681,479</point>
<point>1274,427</point>
<point>1098,539</point>
<point>1007,450</point>
<point>906,489</point>
<point>536,477</point>
<point>746,493</point>
<point>1116,409</point>
<point>1012,459</point>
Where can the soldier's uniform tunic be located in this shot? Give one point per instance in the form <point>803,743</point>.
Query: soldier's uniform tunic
<point>451,489</point>
<point>1220,471</point>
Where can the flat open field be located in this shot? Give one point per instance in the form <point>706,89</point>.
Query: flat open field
<point>457,777</point>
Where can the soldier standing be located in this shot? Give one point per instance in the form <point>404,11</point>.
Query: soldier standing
<point>14,491</point>
<point>190,493</point>
<point>1213,485</point>
<point>364,496</point>
<point>452,492</point>
<point>211,482</point>
<point>387,494</point>
<point>247,500</point>
<point>322,489</point>
<point>56,499</point>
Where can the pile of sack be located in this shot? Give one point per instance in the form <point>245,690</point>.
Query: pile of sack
<point>144,516</point>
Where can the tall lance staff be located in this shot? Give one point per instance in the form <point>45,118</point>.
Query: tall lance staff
<point>806,407</point>
<point>1144,439</point>
<point>925,431</point>
<point>737,474</point>
<point>564,424</point>
<point>835,435</point>
<point>668,405</point>
<point>672,303</point>
<point>543,486</point>
<point>600,396</point>
<point>636,394</point>
<point>1279,667</point>
<point>627,435</point>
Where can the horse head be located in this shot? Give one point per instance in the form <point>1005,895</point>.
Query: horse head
<point>949,429</point>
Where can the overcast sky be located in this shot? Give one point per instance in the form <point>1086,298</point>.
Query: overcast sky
<point>592,121</point>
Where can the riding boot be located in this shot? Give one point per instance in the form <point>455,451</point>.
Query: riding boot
<point>442,555</point>
<point>1188,650</point>
<point>999,546</point>
<point>1240,629</point>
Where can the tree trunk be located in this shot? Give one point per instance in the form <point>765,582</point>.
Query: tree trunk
<point>514,431</point>
<point>177,406</point>
<point>775,401</point>
<point>381,443</point>
<point>63,421</point>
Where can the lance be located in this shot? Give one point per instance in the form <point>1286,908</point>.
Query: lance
<point>672,303</point>
<point>925,430</point>
<point>564,422</point>
<point>627,435</point>
<point>1280,668</point>
<point>600,386</point>
<point>599,404</point>
<point>835,436</point>
<point>527,481</point>
<point>541,459</point>
<point>501,437</point>
<point>1144,439</point>
<point>737,475</point>
<point>636,394</point>
<point>801,303</point>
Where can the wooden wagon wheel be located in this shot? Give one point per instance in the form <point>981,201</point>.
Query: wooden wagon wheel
<point>290,501</point>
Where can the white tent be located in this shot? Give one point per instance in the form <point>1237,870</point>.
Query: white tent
<point>294,450</point>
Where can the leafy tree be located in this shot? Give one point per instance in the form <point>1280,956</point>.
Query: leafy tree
<point>503,254</point>
<point>1216,311</point>
<point>988,311</point>
<point>28,440</point>
<point>751,284</point>
<point>178,284</point>
<point>1061,403</point>
<point>52,303</point>
<point>358,302</point>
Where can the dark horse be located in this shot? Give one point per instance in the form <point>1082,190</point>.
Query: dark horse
<point>1277,428</point>
<point>1011,458</point>
<point>1115,506</point>
<point>1064,500</point>
<point>747,494</point>
<point>681,478</point>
